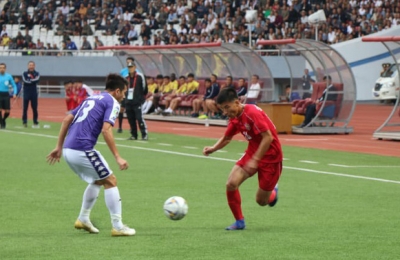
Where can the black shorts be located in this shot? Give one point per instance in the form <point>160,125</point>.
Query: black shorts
<point>4,100</point>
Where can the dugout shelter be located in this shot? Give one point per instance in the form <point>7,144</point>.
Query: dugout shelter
<point>390,129</point>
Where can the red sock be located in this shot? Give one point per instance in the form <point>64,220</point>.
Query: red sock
<point>234,202</point>
<point>272,196</point>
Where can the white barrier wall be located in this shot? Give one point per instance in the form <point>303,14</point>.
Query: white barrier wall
<point>365,60</point>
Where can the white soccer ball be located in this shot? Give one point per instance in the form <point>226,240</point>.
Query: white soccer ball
<point>175,208</point>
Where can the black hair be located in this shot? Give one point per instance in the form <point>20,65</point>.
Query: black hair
<point>130,58</point>
<point>207,80</point>
<point>255,75</point>
<point>190,75</point>
<point>226,95</point>
<point>115,81</point>
<point>327,77</point>
<point>182,77</point>
<point>65,82</point>
<point>167,77</point>
<point>229,77</point>
<point>3,64</point>
<point>216,77</point>
<point>173,76</point>
<point>159,76</point>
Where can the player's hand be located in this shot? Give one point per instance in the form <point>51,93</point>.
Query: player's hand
<point>251,166</point>
<point>208,150</point>
<point>123,165</point>
<point>54,156</point>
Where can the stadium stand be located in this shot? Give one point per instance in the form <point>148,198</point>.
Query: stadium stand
<point>47,24</point>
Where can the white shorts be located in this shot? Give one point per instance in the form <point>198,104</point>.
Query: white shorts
<point>90,166</point>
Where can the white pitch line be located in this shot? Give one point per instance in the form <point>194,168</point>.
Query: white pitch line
<point>311,162</point>
<point>221,159</point>
<point>365,166</point>
<point>190,147</point>
<point>164,144</point>
<point>221,151</point>
<point>286,159</point>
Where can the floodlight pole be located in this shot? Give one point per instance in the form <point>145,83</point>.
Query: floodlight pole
<point>249,28</point>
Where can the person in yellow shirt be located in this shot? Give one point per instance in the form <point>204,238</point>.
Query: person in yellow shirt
<point>192,85</point>
<point>5,40</point>
<point>152,88</point>
<point>179,93</point>
<point>165,89</point>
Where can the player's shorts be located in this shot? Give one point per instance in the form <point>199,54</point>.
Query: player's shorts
<point>268,173</point>
<point>90,166</point>
<point>5,100</point>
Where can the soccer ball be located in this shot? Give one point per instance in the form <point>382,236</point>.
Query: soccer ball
<point>175,208</point>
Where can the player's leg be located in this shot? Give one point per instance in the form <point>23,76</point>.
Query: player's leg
<point>268,177</point>
<point>7,105</point>
<point>141,122</point>
<point>1,111</point>
<point>34,105</point>
<point>25,111</point>
<point>235,179</point>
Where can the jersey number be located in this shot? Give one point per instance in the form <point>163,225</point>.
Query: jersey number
<point>86,107</point>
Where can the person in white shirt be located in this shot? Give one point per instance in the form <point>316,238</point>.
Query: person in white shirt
<point>4,31</point>
<point>127,16</point>
<point>180,9</point>
<point>253,91</point>
<point>64,8</point>
<point>331,36</point>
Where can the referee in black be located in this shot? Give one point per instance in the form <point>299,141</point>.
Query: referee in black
<point>135,97</point>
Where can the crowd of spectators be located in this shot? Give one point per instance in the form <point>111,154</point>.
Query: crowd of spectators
<point>161,22</point>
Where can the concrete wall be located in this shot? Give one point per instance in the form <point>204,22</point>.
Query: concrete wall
<point>365,60</point>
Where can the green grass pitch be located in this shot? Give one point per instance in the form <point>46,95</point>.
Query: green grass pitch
<point>324,211</point>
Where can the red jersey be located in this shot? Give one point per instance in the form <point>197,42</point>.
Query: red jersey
<point>251,123</point>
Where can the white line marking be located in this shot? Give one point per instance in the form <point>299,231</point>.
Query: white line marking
<point>286,159</point>
<point>189,129</point>
<point>190,147</point>
<point>365,166</point>
<point>221,151</point>
<point>338,165</point>
<point>222,159</point>
<point>163,144</point>
<point>312,162</point>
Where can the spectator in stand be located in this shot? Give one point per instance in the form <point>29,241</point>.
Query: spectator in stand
<point>254,90</point>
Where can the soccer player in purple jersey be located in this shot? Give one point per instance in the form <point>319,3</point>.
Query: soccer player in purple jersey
<point>77,138</point>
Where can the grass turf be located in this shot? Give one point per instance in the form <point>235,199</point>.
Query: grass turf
<point>318,216</point>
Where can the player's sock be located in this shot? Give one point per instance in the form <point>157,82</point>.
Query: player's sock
<point>113,202</point>
<point>234,201</point>
<point>120,118</point>
<point>89,199</point>
<point>6,114</point>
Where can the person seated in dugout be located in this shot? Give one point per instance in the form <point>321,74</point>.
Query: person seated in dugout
<point>207,102</point>
<point>312,108</point>
<point>187,88</point>
<point>165,89</point>
<point>152,88</point>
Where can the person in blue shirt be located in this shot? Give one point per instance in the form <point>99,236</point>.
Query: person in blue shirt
<point>30,78</point>
<point>5,80</point>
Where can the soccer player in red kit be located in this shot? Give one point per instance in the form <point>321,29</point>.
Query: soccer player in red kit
<point>263,155</point>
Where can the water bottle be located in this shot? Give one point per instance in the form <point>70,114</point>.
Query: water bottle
<point>207,124</point>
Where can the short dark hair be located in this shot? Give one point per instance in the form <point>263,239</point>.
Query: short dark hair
<point>327,77</point>
<point>190,75</point>
<point>3,64</point>
<point>229,77</point>
<point>255,75</point>
<point>159,76</point>
<point>214,76</point>
<point>207,80</point>
<point>130,58</point>
<point>115,81</point>
<point>67,82</point>
<point>226,95</point>
<point>182,77</point>
<point>167,77</point>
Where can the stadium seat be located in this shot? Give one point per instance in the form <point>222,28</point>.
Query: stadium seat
<point>331,109</point>
<point>299,106</point>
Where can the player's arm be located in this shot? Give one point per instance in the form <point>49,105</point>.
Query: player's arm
<point>109,138</point>
<point>265,143</point>
<point>221,143</point>
<point>55,155</point>
<point>14,86</point>
<point>37,78</point>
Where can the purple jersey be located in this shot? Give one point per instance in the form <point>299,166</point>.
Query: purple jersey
<point>88,121</point>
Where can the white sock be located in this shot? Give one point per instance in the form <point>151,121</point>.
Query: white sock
<point>113,202</point>
<point>89,199</point>
<point>149,104</point>
<point>168,110</point>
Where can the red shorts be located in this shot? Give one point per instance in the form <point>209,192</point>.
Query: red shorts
<point>268,173</point>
